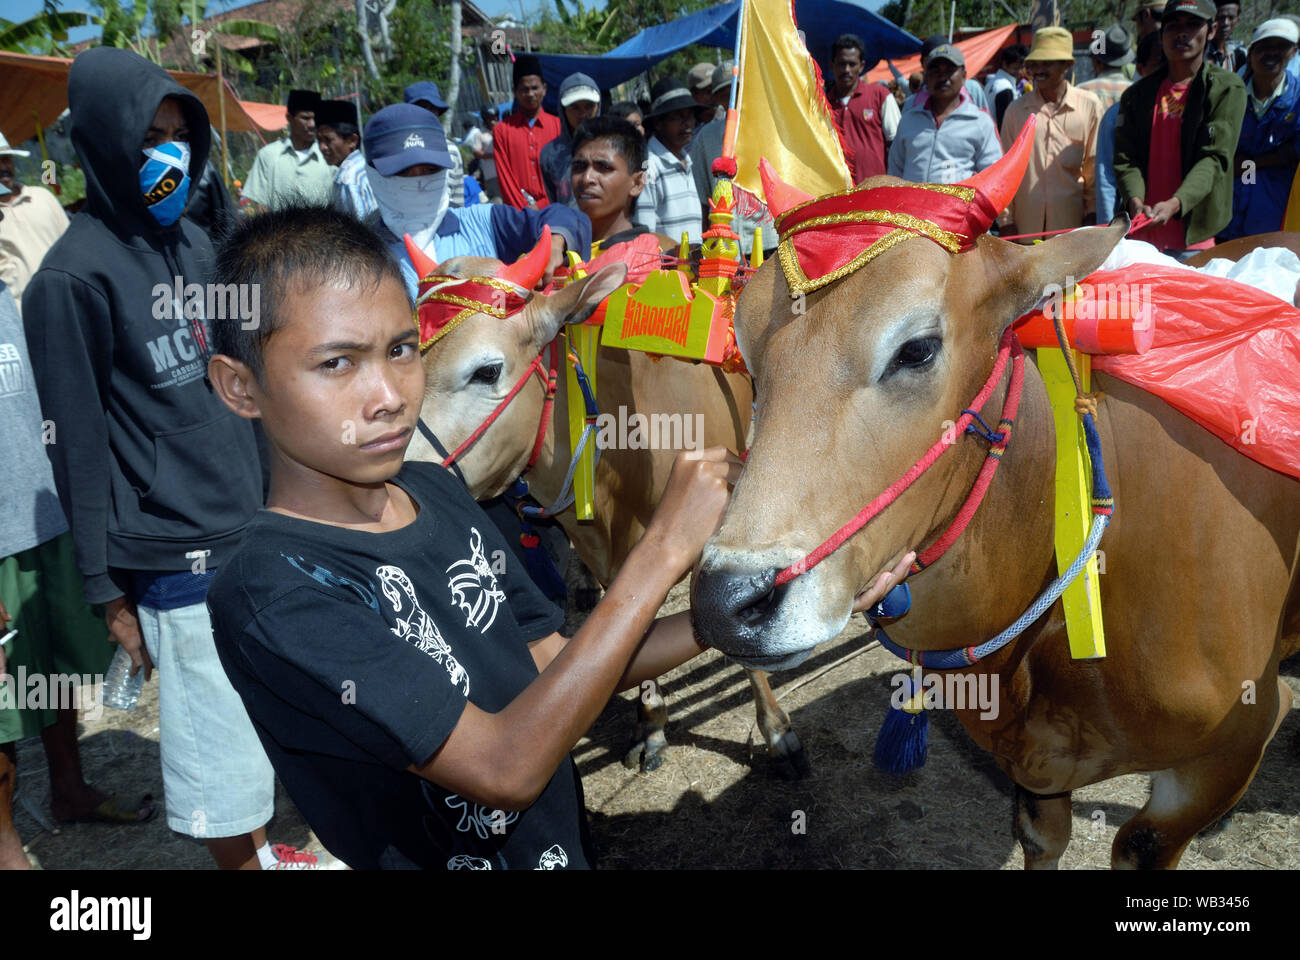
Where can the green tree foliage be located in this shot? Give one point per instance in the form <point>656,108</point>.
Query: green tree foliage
<point>45,34</point>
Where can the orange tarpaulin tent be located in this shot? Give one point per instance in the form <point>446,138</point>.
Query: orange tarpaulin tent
<point>978,51</point>
<point>36,93</point>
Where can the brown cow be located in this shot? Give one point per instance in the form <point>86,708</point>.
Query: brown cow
<point>1200,595</point>
<point>470,369</point>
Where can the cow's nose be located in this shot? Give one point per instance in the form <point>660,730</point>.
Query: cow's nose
<point>729,601</point>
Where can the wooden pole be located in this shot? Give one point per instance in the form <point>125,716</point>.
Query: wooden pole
<point>221,100</point>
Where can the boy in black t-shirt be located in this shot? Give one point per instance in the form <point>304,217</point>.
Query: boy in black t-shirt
<point>412,694</point>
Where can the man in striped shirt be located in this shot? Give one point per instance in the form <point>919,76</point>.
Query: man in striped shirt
<point>669,204</point>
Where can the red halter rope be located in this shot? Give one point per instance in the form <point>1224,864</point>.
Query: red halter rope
<point>550,379</point>
<point>1009,346</point>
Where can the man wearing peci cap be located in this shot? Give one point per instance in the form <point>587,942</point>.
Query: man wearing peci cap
<point>292,169</point>
<point>1116,53</point>
<point>339,136</point>
<point>1057,190</point>
<point>425,94</point>
<point>579,101</point>
<point>32,221</point>
<point>943,137</point>
<point>669,204</point>
<point>519,138</point>
<point>865,112</point>
<point>1267,151</point>
<point>407,162</point>
<point>1177,134</point>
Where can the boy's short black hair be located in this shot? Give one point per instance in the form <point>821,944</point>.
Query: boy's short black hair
<point>623,109</point>
<point>625,138</point>
<point>308,244</point>
<point>848,41</point>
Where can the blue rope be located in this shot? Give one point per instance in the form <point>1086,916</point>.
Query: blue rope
<point>566,497</point>
<point>987,433</point>
<point>966,656</point>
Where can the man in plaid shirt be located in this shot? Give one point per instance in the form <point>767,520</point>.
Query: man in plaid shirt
<point>1110,82</point>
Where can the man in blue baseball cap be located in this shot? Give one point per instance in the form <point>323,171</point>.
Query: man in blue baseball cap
<point>408,163</point>
<point>425,94</point>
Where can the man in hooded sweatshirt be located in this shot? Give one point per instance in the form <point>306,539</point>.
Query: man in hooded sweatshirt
<point>157,478</point>
<point>579,101</point>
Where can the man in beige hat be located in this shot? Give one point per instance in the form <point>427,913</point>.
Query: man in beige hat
<point>699,80</point>
<point>33,220</point>
<point>1057,191</point>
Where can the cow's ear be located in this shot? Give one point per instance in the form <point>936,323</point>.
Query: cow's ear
<point>573,303</point>
<point>1015,277</point>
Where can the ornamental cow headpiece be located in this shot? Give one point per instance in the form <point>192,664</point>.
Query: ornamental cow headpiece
<point>444,302</point>
<point>827,238</point>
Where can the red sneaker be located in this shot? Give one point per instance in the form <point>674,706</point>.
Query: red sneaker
<point>291,858</point>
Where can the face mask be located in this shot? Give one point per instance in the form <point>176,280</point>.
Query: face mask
<point>414,205</point>
<point>165,180</point>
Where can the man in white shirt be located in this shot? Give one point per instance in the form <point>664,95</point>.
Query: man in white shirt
<point>33,220</point>
<point>292,169</point>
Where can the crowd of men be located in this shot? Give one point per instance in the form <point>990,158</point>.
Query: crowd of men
<point>124,518</point>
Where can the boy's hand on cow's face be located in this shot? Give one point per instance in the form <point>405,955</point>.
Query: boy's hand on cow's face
<point>694,500</point>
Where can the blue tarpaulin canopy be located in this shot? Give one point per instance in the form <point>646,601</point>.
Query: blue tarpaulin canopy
<point>820,20</point>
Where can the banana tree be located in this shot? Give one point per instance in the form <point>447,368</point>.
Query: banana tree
<point>44,34</point>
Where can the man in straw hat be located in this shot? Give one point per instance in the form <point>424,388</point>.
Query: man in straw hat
<point>669,204</point>
<point>1177,135</point>
<point>1057,192</point>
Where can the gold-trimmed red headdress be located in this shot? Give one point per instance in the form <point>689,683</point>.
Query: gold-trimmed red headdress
<point>444,302</point>
<point>826,238</point>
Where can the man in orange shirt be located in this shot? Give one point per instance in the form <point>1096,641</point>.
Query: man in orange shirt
<point>1057,191</point>
<point>519,138</point>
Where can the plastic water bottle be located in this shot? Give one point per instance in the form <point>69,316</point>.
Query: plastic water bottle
<point>121,690</point>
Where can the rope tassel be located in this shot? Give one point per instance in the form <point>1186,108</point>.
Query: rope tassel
<point>903,742</point>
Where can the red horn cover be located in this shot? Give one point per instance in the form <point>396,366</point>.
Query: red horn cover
<point>827,239</point>
<point>529,270</point>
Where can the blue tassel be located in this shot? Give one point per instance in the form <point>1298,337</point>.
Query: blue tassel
<point>904,737</point>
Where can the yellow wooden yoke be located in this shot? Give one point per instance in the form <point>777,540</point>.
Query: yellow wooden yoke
<point>1082,599</point>
<point>670,313</point>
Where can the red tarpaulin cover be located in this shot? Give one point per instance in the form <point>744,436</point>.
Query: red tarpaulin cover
<point>1225,354</point>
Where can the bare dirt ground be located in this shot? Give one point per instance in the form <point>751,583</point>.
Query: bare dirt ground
<point>719,802</point>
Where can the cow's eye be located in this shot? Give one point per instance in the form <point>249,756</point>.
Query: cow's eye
<point>916,353</point>
<point>489,373</point>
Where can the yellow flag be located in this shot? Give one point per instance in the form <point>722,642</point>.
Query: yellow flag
<point>783,114</point>
<point>1291,222</point>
